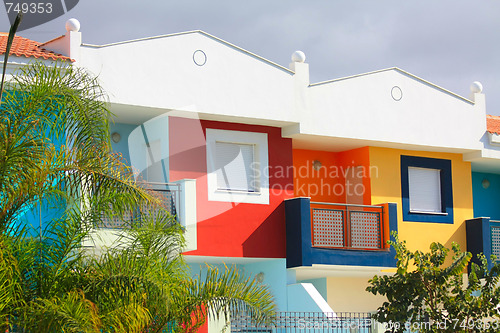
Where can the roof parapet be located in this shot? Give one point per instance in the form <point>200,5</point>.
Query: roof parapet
<point>68,44</point>
<point>300,68</point>
<point>476,89</point>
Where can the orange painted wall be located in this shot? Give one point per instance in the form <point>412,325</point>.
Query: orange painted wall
<point>328,184</point>
<point>319,185</point>
<point>358,158</point>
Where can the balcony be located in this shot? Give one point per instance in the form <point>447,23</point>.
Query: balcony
<point>338,234</point>
<point>342,226</point>
<point>483,236</point>
<point>179,198</point>
<point>169,196</point>
<point>329,322</point>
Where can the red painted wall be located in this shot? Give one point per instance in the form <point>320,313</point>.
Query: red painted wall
<point>233,229</point>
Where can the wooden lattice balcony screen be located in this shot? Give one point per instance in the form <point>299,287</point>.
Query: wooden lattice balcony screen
<point>347,226</point>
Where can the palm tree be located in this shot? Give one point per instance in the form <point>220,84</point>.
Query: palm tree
<point>56,165</point>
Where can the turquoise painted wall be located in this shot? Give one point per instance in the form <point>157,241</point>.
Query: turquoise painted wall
<point>38,215</point>
<point>274,274</point>
<point>320,285</point>
<point>486,201</point>
<point>275,277</point>
<point>37,218</point>
<point>299,300</point>
<point>122,146</point>
<point>287,297</point>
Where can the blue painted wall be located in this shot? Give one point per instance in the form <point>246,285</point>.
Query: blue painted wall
<point>479,238</point>
<point>122,146</point>
<point>486,201</point>
<point>446,189</point>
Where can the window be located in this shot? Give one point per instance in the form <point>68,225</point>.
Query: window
<point>236,166</point>
<point>424,190</point>
<point>426,187</point>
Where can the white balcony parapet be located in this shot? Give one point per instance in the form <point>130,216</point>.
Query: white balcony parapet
<point>186,209</point>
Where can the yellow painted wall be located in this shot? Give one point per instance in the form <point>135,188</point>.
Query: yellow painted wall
<point>386,187</point>
<point>348,294</point>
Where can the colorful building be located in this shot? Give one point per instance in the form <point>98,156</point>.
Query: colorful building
<point>299,184</point>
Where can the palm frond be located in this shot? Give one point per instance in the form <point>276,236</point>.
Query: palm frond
<point>71,313</point>
<point>67,100</point>
<point>11,301</point>
<point>55,158</point>
<point>222,293</point>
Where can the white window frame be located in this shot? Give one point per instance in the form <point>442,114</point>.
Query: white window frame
<point>261,161</point>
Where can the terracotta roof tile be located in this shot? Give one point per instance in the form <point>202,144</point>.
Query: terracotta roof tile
<point>493,124</point>
<point>28,48</point>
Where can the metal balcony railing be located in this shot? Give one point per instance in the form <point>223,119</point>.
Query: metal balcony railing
<point>345,226</point>
<point>305,322</point>
<point>167,193</point>
<point>495,238</point>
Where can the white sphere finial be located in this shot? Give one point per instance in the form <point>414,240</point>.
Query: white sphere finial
<point>298,56</point>
<point>476,87</point>
<point>72,25</point>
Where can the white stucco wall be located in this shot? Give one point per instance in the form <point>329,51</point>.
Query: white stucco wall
<point>363,108</point>
<point>161,73</point>
<point>202,74</point>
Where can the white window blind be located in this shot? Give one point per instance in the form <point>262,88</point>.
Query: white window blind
<point>234,167</point>
<point>424,189</point>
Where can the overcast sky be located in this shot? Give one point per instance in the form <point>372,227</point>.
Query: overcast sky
<point>448,42</point>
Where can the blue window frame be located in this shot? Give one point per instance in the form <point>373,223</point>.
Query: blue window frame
<point>445,215</point>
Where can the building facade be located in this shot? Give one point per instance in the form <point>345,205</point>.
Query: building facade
<point>299,184</point>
